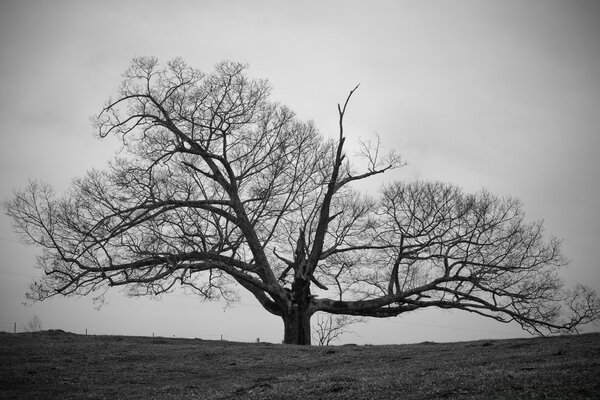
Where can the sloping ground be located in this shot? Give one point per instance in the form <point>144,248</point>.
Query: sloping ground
<point>60,365</point>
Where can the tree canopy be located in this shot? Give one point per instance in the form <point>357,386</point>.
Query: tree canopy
<point>218,188</point>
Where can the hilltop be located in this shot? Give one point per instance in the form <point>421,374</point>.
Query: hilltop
<point>57,364</point>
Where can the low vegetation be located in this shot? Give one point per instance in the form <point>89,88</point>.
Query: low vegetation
<point>61,365</point>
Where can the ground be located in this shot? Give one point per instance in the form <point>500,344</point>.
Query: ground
<point>61,365</point>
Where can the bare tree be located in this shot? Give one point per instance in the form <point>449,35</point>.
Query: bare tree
<point>34,324</point>
<point>331,327</point>
<point>219,187</point>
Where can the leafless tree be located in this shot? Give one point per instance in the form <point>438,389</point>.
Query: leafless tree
<point>331,327</point>
<point>218,187</point>
<point>34,324</point>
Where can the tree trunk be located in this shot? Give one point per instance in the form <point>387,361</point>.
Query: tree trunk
<point>296,320</point>
<point>297,327</point>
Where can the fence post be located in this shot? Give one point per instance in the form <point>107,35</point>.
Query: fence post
<point>15,327</point>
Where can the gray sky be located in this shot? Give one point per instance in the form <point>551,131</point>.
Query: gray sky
<point>483,94</point>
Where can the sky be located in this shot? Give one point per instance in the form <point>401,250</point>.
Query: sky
<point>482,94</point>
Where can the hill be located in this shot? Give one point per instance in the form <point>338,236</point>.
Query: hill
<point>57,364</point>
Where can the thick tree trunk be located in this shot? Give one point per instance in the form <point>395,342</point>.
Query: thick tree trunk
<point>297,327</point>
<point>296,320</point>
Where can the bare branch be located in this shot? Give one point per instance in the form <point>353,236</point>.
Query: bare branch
<point>218,187</point>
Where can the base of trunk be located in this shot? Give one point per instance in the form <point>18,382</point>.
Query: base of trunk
<point>297,328</point>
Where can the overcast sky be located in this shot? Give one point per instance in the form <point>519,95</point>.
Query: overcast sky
<point>503,95</point>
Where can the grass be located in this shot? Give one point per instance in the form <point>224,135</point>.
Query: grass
<point>61,365</point>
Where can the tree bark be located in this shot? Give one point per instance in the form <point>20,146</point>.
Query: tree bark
<point>296,319</point>
<point>297,327</point>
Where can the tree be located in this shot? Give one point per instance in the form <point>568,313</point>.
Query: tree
<point>331,327</point>
<point>218,187</point>
<point>34,324</point>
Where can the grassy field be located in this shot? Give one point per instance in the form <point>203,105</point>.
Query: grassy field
<point>60,365</point>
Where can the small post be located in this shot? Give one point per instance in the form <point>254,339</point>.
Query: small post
<point>221,336</point>
<point>15,327</point>
<point>258,340</point>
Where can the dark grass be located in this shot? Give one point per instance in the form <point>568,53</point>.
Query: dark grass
<point>60,365</point>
